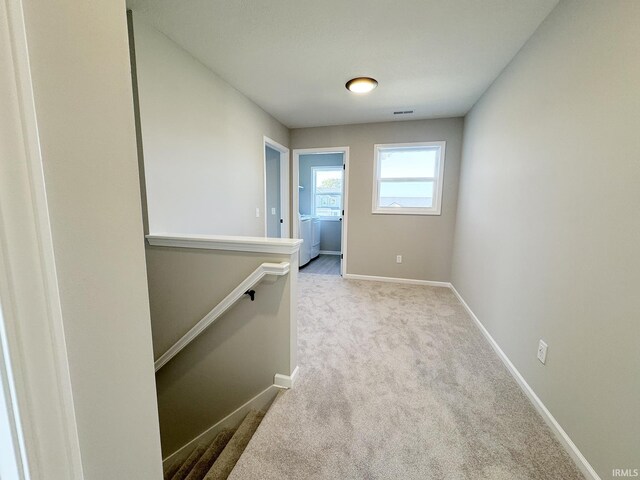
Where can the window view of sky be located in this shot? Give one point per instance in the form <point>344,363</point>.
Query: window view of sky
<point>329,179</point>
<point>398,166</point>
<point>408,163</point>
<point>406,189</point>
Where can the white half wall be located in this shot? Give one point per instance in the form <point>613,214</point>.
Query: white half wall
<point>548,231</point>
<point>202,142</point>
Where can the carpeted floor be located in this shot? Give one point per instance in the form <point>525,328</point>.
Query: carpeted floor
<point>396,382</point>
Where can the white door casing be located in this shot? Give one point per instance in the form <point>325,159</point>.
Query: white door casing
<point>36,367</point>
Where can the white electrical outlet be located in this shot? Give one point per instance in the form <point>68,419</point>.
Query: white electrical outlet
<point>398,258</point>
<point>273,210</point>
<point>542,351</point>
<point>257,212</point>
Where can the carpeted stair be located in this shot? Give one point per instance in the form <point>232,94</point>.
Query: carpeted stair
<point>216,460</point>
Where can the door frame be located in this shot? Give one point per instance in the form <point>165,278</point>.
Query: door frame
<point>284,185</point>
<point>35,375</point>
<point>345,195</point>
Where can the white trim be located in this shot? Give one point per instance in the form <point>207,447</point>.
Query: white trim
<point>571,448</point>
<point>12,448</point>
<point>581,462</point>
<point>329,252</point>
<point>410,281</point>
<point>284,185</point>
<point>278,269</point>
<point>285,381</point>
<point>285,246</point>
<point>345,195</point>
<point>34,336</point>
<point>436,209</point>
<point>260,402</point>
<point>345,217</point>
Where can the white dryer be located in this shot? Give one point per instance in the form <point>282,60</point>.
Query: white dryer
<point>304,232</point>
<point>315,237</point>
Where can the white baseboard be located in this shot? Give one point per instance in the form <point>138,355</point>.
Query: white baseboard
<point>259,402</point>
<point>285,381</point>
<point>571,448</point>
<point>265,397</point>
<point>410,281</point>
<point>329,252</point>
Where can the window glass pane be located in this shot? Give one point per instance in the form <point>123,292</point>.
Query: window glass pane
<point>328,192</point>
<point>405,194</point>
<point>408,162</point>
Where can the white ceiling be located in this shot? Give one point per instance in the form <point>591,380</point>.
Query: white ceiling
<point>293,57</point>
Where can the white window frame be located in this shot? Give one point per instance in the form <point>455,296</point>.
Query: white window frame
<point>313,192</point>
<point>438,180</point>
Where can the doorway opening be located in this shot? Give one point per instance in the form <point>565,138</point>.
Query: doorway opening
<point>320,202</point>
<point>276,189</point>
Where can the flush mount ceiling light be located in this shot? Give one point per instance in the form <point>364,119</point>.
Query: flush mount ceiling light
<point>361,84</point>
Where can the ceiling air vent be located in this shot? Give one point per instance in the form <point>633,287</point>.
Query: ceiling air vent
<point>403,112</point>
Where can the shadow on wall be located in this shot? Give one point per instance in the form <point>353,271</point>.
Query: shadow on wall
<point>272,183</point>
<point>224,367</point>
<point>234,359</point>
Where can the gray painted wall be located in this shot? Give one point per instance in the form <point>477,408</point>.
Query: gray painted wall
<point>330,231</point>
<point>82,84</point>
<point>548,234</point>
<point>238,355</point>
<point>202,141</point>
<point>374,240</point>
<point>272,170</point>
<point>330,236</point>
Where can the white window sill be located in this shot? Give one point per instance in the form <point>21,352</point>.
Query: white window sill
<point>406,211</point>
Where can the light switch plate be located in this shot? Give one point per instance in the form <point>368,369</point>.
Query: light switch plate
<point>542,351</point>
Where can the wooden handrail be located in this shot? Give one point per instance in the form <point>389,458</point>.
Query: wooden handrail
<point>258,274</point>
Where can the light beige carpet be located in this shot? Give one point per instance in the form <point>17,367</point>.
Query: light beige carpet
<point>396,382</point>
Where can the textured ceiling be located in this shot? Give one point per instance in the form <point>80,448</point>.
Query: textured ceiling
<point>293,57</point>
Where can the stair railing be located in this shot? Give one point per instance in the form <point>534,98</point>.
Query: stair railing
<point>278,269</point>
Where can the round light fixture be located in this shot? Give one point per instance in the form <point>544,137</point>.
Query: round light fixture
<point>361,84</point>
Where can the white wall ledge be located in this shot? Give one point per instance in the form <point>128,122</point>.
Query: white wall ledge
<point>287,246</point>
